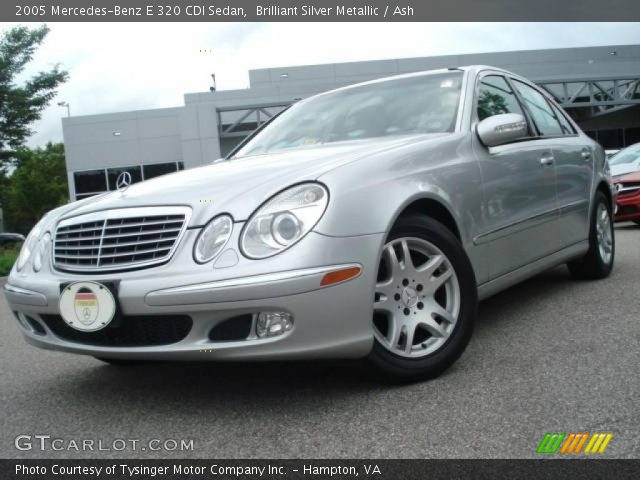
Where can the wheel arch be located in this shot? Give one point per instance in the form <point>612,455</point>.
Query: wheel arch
<point>433,208</point>
<point>604,187</point>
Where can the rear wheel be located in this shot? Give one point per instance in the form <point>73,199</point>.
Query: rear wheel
<point>425,301</point>
<point>597,263</point>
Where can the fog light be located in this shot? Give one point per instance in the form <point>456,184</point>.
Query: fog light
<point>271,324</point>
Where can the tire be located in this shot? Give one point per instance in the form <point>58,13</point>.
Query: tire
<point>597,263</point>
<point>433,346</point>
<point>119,362</point>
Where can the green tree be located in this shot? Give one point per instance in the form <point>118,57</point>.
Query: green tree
<point>490,104</point>
<point>37,185</point>
<point>22,103</point>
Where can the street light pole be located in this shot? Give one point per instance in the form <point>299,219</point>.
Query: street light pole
<point>65,104</point>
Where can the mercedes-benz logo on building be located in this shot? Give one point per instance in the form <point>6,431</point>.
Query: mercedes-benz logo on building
<point>123,181</point>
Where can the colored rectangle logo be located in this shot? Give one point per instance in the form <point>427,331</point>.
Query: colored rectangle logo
<point>574,443</point>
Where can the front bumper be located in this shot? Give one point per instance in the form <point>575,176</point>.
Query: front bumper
<point>628,206</point>
<point>328,322</point>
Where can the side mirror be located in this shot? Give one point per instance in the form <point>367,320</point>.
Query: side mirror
<point>501,129</point>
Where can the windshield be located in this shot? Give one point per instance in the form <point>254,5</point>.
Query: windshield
<point>628,155</point>
<point>406,106</point>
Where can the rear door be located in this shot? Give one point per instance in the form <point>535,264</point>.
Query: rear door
<point>573,159</point>
<point>520,202</point>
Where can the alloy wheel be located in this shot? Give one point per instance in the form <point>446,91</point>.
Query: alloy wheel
<point>604,233</point>
<point>417,298</point>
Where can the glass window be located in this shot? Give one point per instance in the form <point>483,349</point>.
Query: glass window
<point>496,97</point>
<point>413,105</point>
<point>539,109</point>
<point>86,195</point>
<point>567,128</point>
<point>593,134</point>
<point>180,165</point>
<point>90,181</point>
<point>157,169</point>
<point>611,138</point>
<point>631,135</point>
<point>113,173</point>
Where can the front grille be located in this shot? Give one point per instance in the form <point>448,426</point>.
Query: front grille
<point>629,189</point>
<point>126,331</point>
<point>116,242</point>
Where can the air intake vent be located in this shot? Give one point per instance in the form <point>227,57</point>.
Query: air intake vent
<point>130,331</point>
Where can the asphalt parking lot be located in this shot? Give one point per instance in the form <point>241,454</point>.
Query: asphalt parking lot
<point>550,354</point>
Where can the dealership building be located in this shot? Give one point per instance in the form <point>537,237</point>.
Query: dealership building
<point>598,86</point>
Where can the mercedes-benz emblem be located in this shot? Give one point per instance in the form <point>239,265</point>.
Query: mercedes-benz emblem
<point>409,297</point>
<point>123,181</point>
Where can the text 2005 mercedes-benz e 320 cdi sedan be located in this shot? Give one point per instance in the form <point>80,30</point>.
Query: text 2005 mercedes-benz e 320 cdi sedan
<point>362,222</point>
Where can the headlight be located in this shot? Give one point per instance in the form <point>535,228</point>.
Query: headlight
<point>212,239</point>
<point>284,220</point>
<point>29,246</point>
<point>41,251</point>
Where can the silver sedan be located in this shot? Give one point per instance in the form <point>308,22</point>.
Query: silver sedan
<point>363,222</point>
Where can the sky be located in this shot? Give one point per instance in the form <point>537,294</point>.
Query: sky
<point>130,66</point>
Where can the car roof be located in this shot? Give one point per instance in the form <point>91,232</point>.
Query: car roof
<point>473,69</point>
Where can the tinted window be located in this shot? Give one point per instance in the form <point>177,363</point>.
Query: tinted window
<point>539,109</point>
<point>86,195</point>
<point>406,106</point>
<point>91,181</point>
<point>113,173</point>
<point>567,128</point>
<point>496,97</point>
<point>611,138</point>
<point>158,169</point>
<point>631,135</point>
<point>592,134</point>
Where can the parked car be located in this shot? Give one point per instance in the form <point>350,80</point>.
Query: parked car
<point>362,222</point>
<point>625,161</point>
<point>610,153</point>
<point>625,168</point>
<point>10,239</point>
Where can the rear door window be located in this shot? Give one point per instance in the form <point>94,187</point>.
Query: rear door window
<point>540,110</point>
<point>567,128</point>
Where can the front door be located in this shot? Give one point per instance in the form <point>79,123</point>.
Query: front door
<point>519,180</point>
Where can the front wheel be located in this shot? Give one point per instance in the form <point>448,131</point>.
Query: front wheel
<point>597,263</point>
<point>425,301</point>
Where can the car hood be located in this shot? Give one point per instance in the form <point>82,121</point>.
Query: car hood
<point>239,186</point>
<point>629,177</point>
<point>623,169</point>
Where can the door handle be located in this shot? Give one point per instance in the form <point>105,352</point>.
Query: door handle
<point>586,154</point>
<point>546,160</point>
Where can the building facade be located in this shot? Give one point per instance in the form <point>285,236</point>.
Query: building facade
<point>598,86</point>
